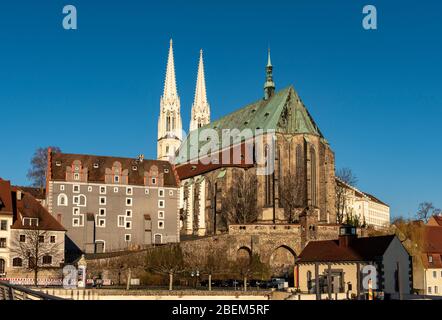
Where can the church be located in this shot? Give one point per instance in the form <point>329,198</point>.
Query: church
<point>300,188</point>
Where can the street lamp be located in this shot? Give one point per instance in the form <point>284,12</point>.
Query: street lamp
<point>195,274</point>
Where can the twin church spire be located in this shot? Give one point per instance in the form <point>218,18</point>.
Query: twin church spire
<point>169,122</point>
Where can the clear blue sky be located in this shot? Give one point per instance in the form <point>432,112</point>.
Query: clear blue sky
<point>376,95</point>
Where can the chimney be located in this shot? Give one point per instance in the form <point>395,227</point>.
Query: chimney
<point>346,235</point>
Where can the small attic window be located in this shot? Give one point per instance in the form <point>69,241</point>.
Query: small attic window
<point>58,163</point>
<point>96,165</point>
<point>193,168</point>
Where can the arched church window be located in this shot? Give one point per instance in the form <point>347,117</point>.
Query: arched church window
<point>168,123</point>
<point>313,176</point>
<point>268,180</point>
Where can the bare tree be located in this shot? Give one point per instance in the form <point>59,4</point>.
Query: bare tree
<point>36,250</point>
<point>291,195</point>
<point>248,267</point>
<point>39,163</point>
<point>166,260</point>
<point>240,203</point>
<point>213,261</point>
<point>426,210</point>
<point>345,178</point>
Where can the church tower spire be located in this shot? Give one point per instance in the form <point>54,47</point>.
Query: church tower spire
<point>200,108</point>
<point>169,122</point>
<point>269,86</point>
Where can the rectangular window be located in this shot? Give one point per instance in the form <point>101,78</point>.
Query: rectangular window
<point>116,179</point>
<point>129,191</point>
<point>30,222</point>
<point>101,223</point>
<point>121,221</point>
<point>154,181</point>
<point>62,187</point>
<point>102,190</point>
<point>434,274</point>
<point>127,237</point>
<point>429,290</point>
<point>160,192</point>
<point>160,203</point>
<point>75,211</point>
<point>41,239</point>
<point>160,214</point>
<point>128,225</point>
<point>102,200</point>
<point>436,291</point>
<point>52,239</point>
<point>2,242</point>
<point>129,201</point>
<point>160,224</point>
<point>129,213</point>
<point>76,188</point>
<point>22,238</point>
<point>76,200</point>
<point>430,259</point>
<point>102,212</point>
<point>77,221</point>
<point>4,225</point>
<point>115,189</point>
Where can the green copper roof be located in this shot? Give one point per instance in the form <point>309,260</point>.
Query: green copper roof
<point>284,112</point>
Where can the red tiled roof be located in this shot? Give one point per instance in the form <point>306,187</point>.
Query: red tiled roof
<point>205,164</point>
<point>37,193</point>
<point>136,177</point>
<point>29,207</point>
<point>359,249</point>
<point>5,197</point>
<point>435,221</point>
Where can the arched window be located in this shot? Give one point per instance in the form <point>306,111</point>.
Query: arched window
<point>47,259</point>
<point>82,200</point>
<point>17,262</point>
<point>313,176</point>
<point>168,123</point>
<point>2,266</point>
<point>167,149</point>
<point>173,122</point>
<point>299,162</point>
<point>268,180</point>
<point>62,200</point>
<point>309,280</point>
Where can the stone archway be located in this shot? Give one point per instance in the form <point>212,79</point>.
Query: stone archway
<point>244,253</point>
<point>282,261</point>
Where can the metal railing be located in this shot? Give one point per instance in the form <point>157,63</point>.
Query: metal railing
<point>13,292</point>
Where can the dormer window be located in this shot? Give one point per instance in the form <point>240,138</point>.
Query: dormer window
<point>116,179</point>
<point>30,222</point>
<point>76,176</point>
<point>430,259</point>
<point>154,181</point>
